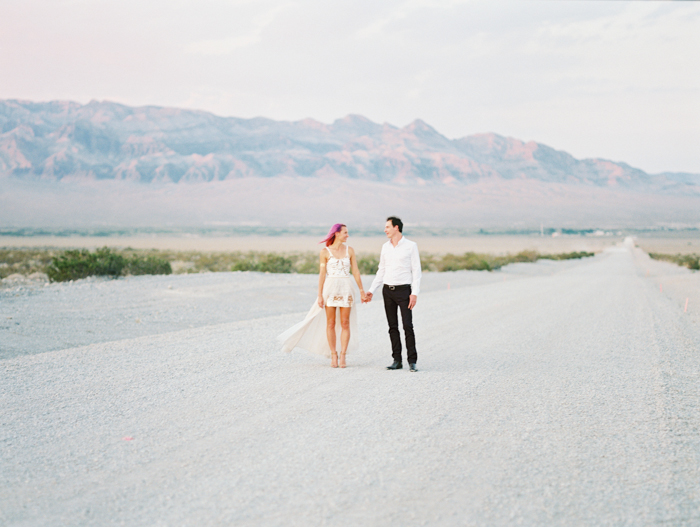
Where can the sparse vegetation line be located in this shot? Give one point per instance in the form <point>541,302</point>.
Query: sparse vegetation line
<point>73,265</point>
<point>691,261</point>
<point>62,265</point>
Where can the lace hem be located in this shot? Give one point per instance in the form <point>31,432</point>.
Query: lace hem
<point>339,301</point>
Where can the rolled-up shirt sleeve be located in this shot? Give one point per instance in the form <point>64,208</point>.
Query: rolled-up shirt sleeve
<point>415,270</point>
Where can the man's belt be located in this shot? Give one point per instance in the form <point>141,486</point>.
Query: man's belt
<point>395,287</point>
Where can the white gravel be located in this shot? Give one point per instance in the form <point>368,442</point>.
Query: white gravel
<point>36,317</point>
<point>556,393</point>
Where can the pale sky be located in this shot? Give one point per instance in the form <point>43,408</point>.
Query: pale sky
<point>617,80</point>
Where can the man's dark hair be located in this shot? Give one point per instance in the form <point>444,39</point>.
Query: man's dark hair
<point>396,222</point>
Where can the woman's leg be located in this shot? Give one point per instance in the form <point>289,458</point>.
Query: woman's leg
<point>344,333</point>
<point>330,334</point>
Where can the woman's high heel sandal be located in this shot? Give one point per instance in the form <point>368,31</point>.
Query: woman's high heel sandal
<point>342,360</point>
<point>334,359</point>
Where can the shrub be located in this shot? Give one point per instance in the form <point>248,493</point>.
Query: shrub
<point>245,264</point>
<point>264,263</point>
<point>485,262</point>
<point>468,261</point>
<point>525,257</point>
<point>139,265</point>
<point>274,263</point>
<point>306,263</point>
<point>302,263</point>
<point>368,264</point>
<point>691,261</point>
<point>25,261</point>
<point>73,265</point>
<point>568,256</point>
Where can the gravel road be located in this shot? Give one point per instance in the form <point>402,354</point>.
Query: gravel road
<point>556,393</point>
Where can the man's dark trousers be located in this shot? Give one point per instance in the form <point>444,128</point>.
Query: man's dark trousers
<point>398,296</point>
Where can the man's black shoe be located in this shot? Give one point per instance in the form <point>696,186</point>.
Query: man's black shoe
<point>396,366</point>
<point>413,367</point>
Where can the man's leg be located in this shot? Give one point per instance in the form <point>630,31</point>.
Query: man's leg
<point>407,320</point>
<point>392,317</point>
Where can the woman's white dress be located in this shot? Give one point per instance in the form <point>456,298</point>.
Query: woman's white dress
<point>339,290</point>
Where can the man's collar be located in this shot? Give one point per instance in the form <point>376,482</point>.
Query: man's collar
<point>398,243</point>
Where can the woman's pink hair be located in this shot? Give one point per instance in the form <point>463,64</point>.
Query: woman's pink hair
<point>328,240</point>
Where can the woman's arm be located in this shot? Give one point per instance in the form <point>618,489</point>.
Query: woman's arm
<point>356,271</point>
<point>323,258</point>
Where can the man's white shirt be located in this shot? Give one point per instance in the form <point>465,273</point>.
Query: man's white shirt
<point>398,265</point>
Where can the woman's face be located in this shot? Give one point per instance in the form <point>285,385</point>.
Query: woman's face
<point>343,234</point>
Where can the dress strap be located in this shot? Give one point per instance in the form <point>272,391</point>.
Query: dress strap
<point>347,251</point>
<point>329,250</point>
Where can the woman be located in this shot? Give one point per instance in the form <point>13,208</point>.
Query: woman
<point>338,295</point>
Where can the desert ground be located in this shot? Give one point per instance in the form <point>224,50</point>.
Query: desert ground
<point>554,393</point>
<point>496,244</point>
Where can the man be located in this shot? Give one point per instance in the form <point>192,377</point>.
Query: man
<point>399,270</point>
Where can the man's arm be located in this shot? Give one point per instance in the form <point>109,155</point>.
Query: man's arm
<point>379,278</point>
<point>415,270</point>
<point>415,276</point>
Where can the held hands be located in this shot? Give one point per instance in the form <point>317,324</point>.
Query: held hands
<point>367,298</point>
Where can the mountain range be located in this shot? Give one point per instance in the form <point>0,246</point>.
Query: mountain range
<point>158,148</point>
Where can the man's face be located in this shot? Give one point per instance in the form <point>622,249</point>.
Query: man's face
<point>390,230</point>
